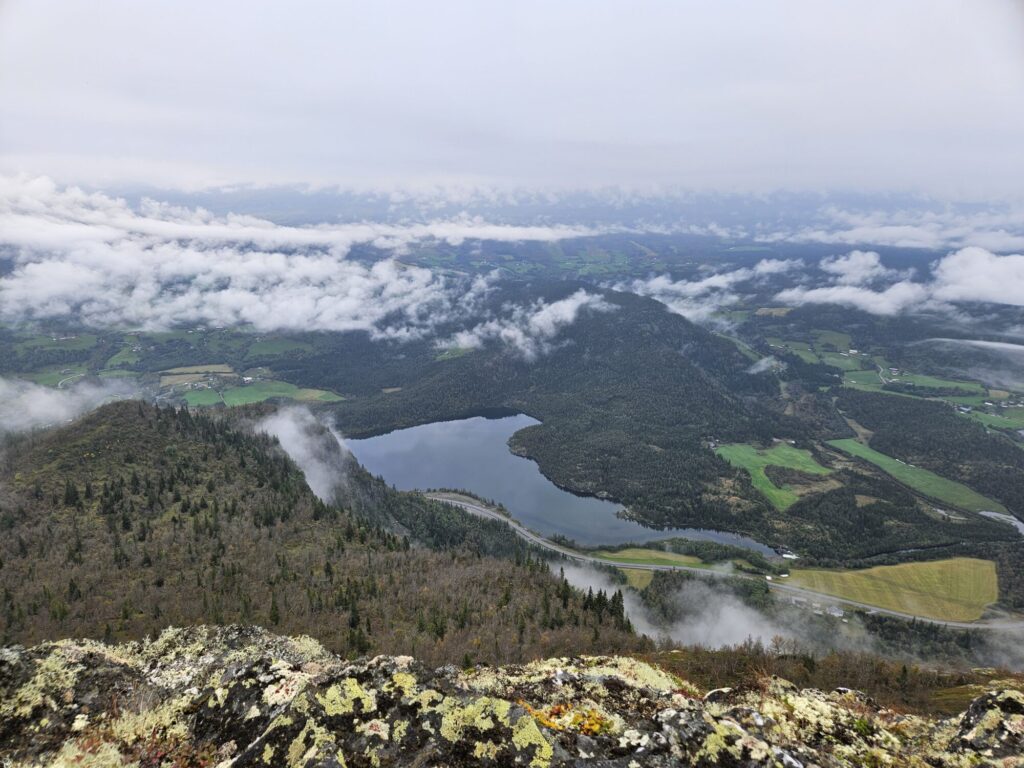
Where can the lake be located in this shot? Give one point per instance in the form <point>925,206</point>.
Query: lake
<point>473,454</point>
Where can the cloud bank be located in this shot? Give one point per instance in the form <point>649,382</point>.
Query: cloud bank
<point>968,275</point>
<point>92,258</point>
<point>25,406</point>
<point>698,299</point>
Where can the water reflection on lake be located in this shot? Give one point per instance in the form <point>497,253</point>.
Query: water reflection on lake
<point>473,454</point>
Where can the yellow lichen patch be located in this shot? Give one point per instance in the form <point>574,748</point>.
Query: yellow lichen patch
<point>426,699</point>
<point>268,753</point>
<point>402,682</point>
<point>399,730</point>
<point>637,673</point>
<point>166,719</point>
<point>310,742</point>
<point>564,716</point>
<point>526,734</point>
<point>591,722</point>
<point>103,755</point>
<point>340,699</point>
<point>483,714</point>
<point>486,750</point>
<point>55,675</point>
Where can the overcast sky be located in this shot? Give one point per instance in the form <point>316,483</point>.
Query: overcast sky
<point>906,95</point>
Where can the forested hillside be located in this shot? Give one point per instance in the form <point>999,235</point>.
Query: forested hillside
<point>136,518</point>
<point>932,435</point>
<point>627,402</point>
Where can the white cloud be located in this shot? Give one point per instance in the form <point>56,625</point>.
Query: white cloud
<point>698,299</point>
<point>856,267</point>
<point>316,447</point>
<point>1000,228</point>
<point>968,275</point>
<point>91,257</point>
<point>530,331</point>
<point>975,274</point>
<point>25,406</point>
<point>890,301</point>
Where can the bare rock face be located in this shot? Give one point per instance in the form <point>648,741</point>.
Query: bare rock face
<point>239,696</point>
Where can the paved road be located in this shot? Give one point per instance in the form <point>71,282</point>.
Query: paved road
<point>525,533</point>
<point>62,382</point>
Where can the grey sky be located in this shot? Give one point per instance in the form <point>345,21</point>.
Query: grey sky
<point>875,95</point>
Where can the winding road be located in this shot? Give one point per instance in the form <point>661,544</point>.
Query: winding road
<point>525,533</point>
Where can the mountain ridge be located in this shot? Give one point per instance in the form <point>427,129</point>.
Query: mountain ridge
<point>240,696</point>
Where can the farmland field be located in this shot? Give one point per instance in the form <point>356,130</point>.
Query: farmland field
<point>208,368</point>
<point>1007,418</point>
<point>647,556</point>
<point>69,343</point>
<point>957,589</point>
<point>922,480</point>
<point>258,392</point>
<point>637,578</point>
<point>755,460</point>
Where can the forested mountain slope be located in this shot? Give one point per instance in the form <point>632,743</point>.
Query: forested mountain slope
<point>627,400</point>
<point>135,518</point>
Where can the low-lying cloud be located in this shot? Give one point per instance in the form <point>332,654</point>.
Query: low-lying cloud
<point>712,618</point>
<point>92,258</point>
<point>314,445</point>
<point>25,405</point>
<point>698,299</point>
<point>857,268</point>
<point>530,331</point>
<point>969,275</point>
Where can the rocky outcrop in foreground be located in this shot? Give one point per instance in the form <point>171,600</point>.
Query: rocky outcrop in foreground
<point>243,697</point>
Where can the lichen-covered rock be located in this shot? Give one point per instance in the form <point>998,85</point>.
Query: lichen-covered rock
<point>238,696</point>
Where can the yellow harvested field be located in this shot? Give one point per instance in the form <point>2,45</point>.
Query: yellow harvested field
<point>209,368</point>
<point>637,578</point>
<point>957,589</point>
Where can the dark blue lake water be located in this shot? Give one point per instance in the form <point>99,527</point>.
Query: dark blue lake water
<point>473,454</point>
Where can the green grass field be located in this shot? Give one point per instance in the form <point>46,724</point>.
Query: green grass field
<point>75,343</point>
<point>957,589</point>
<point>202,397</point>
<point>637,578</point>
<point>52,375</point>
<point>117,374</point>
<point>647,556</point>
<point>920,380</point>
<point>801,349</point>
<point>208,368</point>
<point>922,480</point>
<point>755,460</point>
<point>124,357</point>
<point>1007,418</point>
<point>843,362</point>
<point>270,347</point>
<point>257,393</point>
<point>837,339</point>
